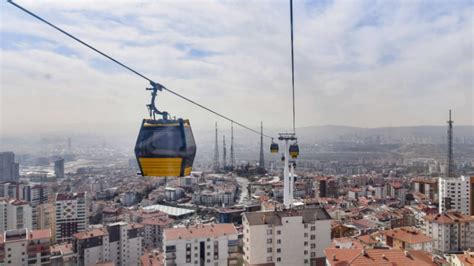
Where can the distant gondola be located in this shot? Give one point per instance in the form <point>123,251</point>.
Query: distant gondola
<point>274,147</point>
<point>294,150</point>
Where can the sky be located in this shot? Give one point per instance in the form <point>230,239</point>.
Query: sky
<point>357,63</point>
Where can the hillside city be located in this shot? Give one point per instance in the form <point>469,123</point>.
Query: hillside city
<point>68,207</point>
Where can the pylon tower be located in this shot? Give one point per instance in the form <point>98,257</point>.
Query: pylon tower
<point>216,165</point>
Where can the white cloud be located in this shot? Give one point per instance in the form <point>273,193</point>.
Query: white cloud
<point>372,63</point>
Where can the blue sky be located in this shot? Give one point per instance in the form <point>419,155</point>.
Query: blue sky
<point>358,63</point>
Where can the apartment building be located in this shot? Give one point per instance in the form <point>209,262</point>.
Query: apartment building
<point>206,244</point>
<point>455,194</point>
<point>120,243</point>
<point>15,214</point>
<point>451,231</point>
<point>407,238</point>
<point>71,215</point>
<point>25,247</point>
<point>287,237</point>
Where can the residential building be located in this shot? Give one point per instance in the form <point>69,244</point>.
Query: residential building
<point>266,235</point>
<point>407,238</point>
<point>396,190</point>
<point>119,243</point>
<point>426,186</point>
<point>15,214</point>
<point>59,168</point>
<point>44,217</point>
<point>205,244</point>
<point>455,194</point>
<point>153,231</point>
<point>451,231</point>
<point>464,259</point>
<point>25,247</point>
<point>63,255</point>
<point>9,170</point>
<point>154,222</point>
<point>71,215</point>
<point>35,194</point>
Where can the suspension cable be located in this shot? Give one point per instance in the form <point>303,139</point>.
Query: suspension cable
<point>131,69</point>
<point>292,65</point>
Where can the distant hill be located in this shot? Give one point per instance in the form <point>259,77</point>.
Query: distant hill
<point>418,134</point>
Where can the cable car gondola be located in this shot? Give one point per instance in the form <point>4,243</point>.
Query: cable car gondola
<point>274,147</point>
<point>165,147</point>
<point>294,150</point>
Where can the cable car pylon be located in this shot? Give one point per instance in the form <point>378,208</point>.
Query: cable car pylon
<point>289,140</point>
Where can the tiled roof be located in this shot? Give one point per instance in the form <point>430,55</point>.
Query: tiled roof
<point>466,258</point>
<point>449,218</point>
<point>392,257</point>
<point>408,235</point>
<point>367,239</point>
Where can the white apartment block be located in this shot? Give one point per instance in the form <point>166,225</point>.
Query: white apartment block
<point>120,243</point>
<point>25,247</point>
<point>451,231</point>
<point>207,244</point>
<point>71,215</point>
<point>455,194</point>
<point>288,237</point>
<point>15,214</point>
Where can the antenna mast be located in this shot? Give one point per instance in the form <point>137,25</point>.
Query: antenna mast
<point>232,146</point>
<point>262,159</point>
<point>450,167</point>
<point>216,154</point>
<point>224,161</point>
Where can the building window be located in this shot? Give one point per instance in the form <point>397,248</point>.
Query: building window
<point>305,243</point>
<point>269,259</point>
<point>278,241</point>
<point>313,228</point>
<point>306,252</point>
<point>269,231</point>
<point>278,250</point>
<point>269,241</point>
<point>188,253</point>
<point>305,234</point>
<point>313,237</point>
<point>305,226</point>
<point>278,259</point>
<point>278,232</point>
<point>269,250</point>
<point>313,245</point>
<point>216,250</point>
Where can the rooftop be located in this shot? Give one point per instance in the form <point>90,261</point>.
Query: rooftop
<point>171,211</point>
<point>274,217</point>
<point>449,218</point>
<point>392,257</point>
<point>61,196</point>
<point>199,231</point>
<point>95,232</point>
<point>408,235</point>
<point>40,234</point>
